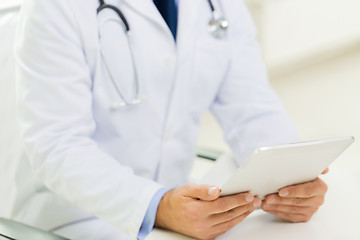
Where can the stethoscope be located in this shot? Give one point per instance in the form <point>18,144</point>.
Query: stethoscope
<point>217,27</point>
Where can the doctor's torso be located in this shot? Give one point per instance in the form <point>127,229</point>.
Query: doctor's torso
<point>179,79</point>
<point>91,153</point>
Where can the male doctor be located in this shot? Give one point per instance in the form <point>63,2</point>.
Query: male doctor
<point>110,98</point>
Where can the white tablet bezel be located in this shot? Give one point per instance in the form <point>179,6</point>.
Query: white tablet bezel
<point>270,168</point>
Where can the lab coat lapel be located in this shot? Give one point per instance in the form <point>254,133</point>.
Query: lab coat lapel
<point>188,14</point>
<point>187,22</point>
<point>186,38</point>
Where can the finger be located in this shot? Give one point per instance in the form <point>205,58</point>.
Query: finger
<point>290,217</point>
<point>305,190</point>
<point>226,226</point>
<point>202,192</point>
<point>225,204</point>
<point>325,171</point>
<point>216,219</point>
<point>290,209</point>
<point>303,202</point>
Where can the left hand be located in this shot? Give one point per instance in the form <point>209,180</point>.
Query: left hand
<point>297,203</point>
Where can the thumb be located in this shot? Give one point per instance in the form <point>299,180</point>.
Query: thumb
<point>202,192</point>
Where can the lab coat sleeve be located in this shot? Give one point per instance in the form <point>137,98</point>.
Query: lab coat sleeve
<point>56,119</point>
<point>246,106</point>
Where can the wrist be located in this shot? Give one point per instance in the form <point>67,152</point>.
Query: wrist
<point>160,220</point>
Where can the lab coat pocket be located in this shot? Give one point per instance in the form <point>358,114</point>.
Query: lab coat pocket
<point>212,59</point>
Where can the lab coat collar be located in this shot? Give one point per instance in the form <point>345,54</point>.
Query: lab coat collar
<point>148,9</point>
<point>188,11</point>
<point>145,8</point>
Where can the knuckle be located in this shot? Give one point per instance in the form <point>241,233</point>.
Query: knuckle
<point>294,191</point>
<point>196,188</point>
<point>233,222</point>
<point>240,200</point>
<point>308,191</point>
<point>293,209</point>
<point>231,214</point>
<point>222,205</point>
<point>230,224</point>
<point>188,187</point>
<point>296,201</point>
<point>249,207</point>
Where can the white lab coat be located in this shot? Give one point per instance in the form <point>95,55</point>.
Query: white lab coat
<point>83,158</point>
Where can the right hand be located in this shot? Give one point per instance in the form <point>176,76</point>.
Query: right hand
<point>198,211</point>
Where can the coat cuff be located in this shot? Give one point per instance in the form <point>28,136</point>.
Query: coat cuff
<point>149,219</point>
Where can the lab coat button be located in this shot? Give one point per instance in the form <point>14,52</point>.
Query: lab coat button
<point>166,137</point>
<point>169,61</point>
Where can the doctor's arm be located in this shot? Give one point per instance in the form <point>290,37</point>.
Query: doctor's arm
<point>252,116</point>
<point>57,122</point>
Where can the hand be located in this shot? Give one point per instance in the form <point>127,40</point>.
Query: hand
<point>197,211</point>
<point>297,203</point>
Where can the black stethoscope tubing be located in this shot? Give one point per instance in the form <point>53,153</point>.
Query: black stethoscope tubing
<point>216,23</point>
<point>211,5</point>
<point>103,5</point>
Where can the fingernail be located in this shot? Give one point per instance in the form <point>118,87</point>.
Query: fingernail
<point>212,191</point>
<point>257,203</point>
<point>284,193</point>
<point>249,198</point>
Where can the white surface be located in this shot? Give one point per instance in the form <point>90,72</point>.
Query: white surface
<point>324,101</point>
<point>295,29</point>
<point>337,219</point>
<point>278,166</point>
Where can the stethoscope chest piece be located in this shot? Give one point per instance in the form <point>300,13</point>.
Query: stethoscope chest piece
<point>218,26</point>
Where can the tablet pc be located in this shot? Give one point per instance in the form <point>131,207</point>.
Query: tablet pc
<point>269,169</point>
